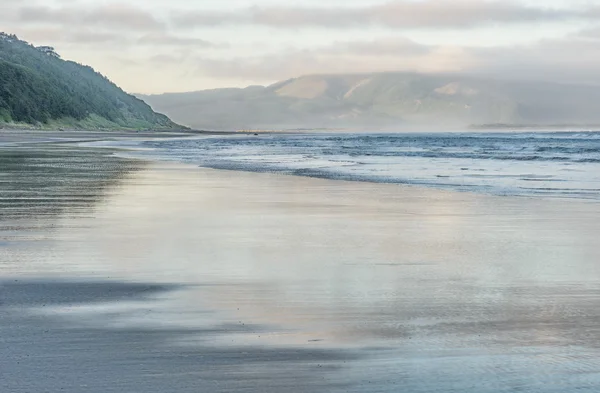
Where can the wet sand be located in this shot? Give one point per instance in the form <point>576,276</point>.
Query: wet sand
<point>121,275</point>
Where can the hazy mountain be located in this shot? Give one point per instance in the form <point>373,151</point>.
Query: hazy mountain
<point>38,88</point>
<point>383,100</point>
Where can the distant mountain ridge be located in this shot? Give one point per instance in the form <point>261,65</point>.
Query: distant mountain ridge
<point>382,100</point>
<point>39,89</point>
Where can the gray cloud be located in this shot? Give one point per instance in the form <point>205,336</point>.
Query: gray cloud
<point>170,40</point>
<point>125,62</point>
<point>85,37</point>
<point>67,34</point>
<point>61,35</point>
<point>115,30</point>
<point>110,23</point>
<point>394,14</point>
<point>209,18</point>
<point>391,46</point>
<point>58,35</point>
<point>591,33</point>
<point>167,60</point>
<point>574,59</point>
<point>112,16</point>
<point>264,68</point>
<point>342,57</point>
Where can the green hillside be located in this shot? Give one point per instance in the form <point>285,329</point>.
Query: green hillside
<point>383,100</point>
<point>38,88</point>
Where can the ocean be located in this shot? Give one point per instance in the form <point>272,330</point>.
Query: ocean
<point>557,164</point>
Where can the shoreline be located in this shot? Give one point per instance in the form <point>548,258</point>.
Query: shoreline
<point>26,134</point>
<point>90,139</point>
<point>348,177</point>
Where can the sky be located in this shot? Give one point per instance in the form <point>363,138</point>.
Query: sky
<point>156,46</point>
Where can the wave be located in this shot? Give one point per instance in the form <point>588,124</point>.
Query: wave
<point>452,161</point>
<point>568,149</point>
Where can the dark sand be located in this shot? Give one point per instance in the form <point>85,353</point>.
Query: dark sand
<point>128,276</point>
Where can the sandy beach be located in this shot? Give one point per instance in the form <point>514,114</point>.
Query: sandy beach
<point>122,275</point>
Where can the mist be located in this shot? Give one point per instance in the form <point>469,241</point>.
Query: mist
<point>385,101</point>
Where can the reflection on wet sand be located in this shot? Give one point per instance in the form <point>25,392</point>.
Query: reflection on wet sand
<point>40,182</point>
<point>314,285</point>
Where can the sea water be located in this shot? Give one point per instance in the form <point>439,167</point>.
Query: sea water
<point>555,164</point>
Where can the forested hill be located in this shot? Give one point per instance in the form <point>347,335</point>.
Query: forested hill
<point>38,88</point>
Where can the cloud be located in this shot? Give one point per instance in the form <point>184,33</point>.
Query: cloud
<point>113,16</point>
<point>573,59</point>
<point>56,35</point>
<point>394,14</point>
<point>590,33</point>
<point>167,60</point>
<point>53,35</point>
<point>170,40</point>
<point>111,23</point>
<point>386,46</point>
<point>148,39</point>
<point>209,18</point>
<point>87,37</point>
<point>393,54</point>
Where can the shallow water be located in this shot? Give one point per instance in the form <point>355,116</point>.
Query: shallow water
<point>164,277</point>
<point>558,164</point>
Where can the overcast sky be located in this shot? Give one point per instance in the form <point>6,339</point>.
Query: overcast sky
<point>154,46</point>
